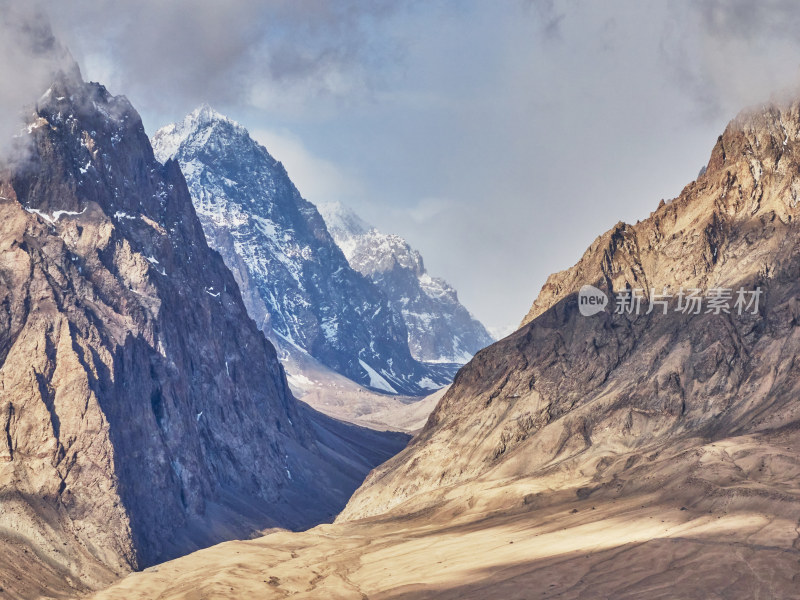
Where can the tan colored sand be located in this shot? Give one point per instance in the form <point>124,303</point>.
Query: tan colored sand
<point>516,539</point>
<point>343,399</point>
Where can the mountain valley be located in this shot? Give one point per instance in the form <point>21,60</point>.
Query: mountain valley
<point>218,381</point>
<point>621,455</point>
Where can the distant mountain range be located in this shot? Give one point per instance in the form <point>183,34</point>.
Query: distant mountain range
<point>440,329</point>
<point>299,286</point>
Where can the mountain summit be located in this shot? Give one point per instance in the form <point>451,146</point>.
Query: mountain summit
<point>296,283</point>
<point>440,329</point>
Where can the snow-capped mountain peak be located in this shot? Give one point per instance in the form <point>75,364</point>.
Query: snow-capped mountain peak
<point>296,282</point>
<point>341,220</point>
<point>440,329</point>
<point>199,125</point>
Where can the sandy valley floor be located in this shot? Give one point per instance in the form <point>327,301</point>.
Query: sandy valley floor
<point>534,538</point>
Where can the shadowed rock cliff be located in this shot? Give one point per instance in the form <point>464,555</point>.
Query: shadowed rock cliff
<point>142,412</point>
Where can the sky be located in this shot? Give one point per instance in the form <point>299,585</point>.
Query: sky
<point>499,138</point>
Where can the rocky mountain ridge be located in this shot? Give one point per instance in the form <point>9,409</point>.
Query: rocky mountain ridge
<point>296,282</point>
<point>440,328</point>
<point>572,390</point>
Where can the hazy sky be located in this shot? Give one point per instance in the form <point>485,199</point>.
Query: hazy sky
<point>499,137</point>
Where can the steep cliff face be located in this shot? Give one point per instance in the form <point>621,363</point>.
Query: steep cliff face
<point>440,328</point>
<point>591,397</point>
<point>142,412</point>
<point>724,226</point>
<point>296,283</point>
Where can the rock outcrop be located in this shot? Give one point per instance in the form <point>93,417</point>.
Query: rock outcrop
<point>142,412</point>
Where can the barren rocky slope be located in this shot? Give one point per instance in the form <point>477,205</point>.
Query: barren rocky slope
<point>690,524</point>
<point>341,398</point>
<point>612,456</point>
<point>142,412</point>
<point>569,387</point>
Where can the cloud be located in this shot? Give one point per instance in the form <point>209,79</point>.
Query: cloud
<point>426,209</point>
<point>317,179</point>
<point>500,138</point>
<point>731,54</point>
<point>239,51</point>
<point>30,56</point>
<point>548,17</point>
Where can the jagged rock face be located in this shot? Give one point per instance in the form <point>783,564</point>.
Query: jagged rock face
<point>296,282</point>
<point>574,393</point>
<point>440,328</point>
<point>143,414</point>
